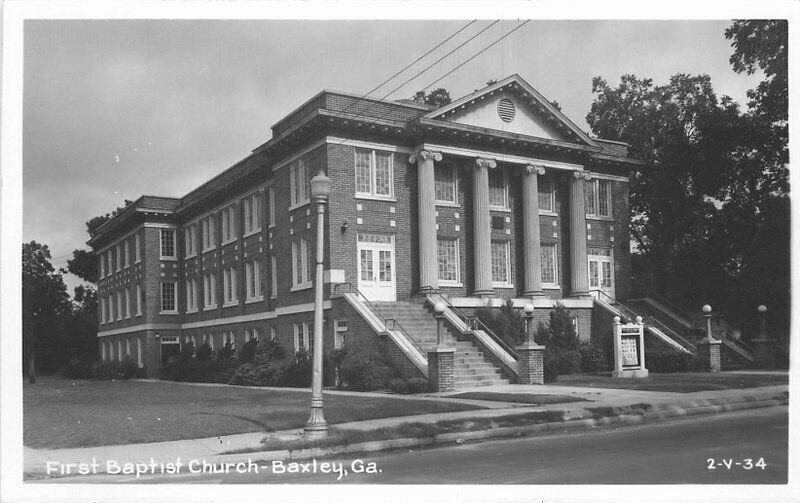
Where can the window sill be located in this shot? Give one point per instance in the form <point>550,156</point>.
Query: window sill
<point>502,285</point>
<point>544,213</point>
<point>209,307</point>
<point>187,257</point>
<point>231,304</point>
<point>551,287</point>
<point>254,300</point>
<point>168,312</point>
<point>228,242</point>
<point>170,259</point>
<point>299,205</point>
<point>372,197</point>
<point>138,314</point>
<point>252,232</point>
<point>448,204</point>
<point>500,209</point>
<point>138,262</point>
<point>303,286</point>
<point>600,218</point>
<point>206,250</point>
<point>191,311</point>
<point>454,284</point>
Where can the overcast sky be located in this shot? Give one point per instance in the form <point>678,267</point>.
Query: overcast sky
<point>117,109</point>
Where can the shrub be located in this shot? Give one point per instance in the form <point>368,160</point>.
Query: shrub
<point>269,351</point>
<point>562,353</point>
<point>187,351</point>
<point>116,370</point>
<point>198,371</point>
<point>248,352</point>
<point>558,361</point>
<point>271,373</point>
<point>506,322</point>
<point>363,371</point>
<point>298,371</point>
<point>406,386</point>
<point>670,361</point>
<point>204,353</point>
<point>593,358</point>
<point>77,368</point>
<point>227,353</point>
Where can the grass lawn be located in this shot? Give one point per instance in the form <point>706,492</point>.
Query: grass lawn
<point>678,382</point>
<point>58,414</point>
<point>530,398</point>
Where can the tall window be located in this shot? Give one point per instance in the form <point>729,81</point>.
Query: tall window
<point>251,213</point>
<point>253,280</point>
<point>229,286</point>
<point>229,224</point>
<point>501,263</point>
<point>301,264</point>
<point>119,256</point>
<point>169,300</point>
<point>546,195</point>
<point>191,295</point>
<point>208,231</point>
<point>167,243</point>
<point>210,291</point>
<point>303,336</point>
<point>127,253</point>
<point>138,300</point>
<point>127,302</point>
<point>110,262</point>
<point>273,265</point>
<point>498,189</point>
<point>120,306</point>
<point>102,265</point>
<point>447,250</point>
<point>374,173</point>
<point>549,270</point>
<point>445,183</point>
<point>112,309</point>
<point>298,181</point>
<point>598,198</point>
<point>271,194</point>
<point>102,310</point>
<point>190,236</point>
<point>137,244</point>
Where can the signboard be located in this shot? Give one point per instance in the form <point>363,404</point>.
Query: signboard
<point>630,350</point>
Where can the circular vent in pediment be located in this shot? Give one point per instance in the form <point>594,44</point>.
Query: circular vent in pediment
<point>506,110</point>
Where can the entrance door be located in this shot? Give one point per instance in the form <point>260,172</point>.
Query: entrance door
<point>170,349</point>
<point>601,272</point>
<point>376,276</point>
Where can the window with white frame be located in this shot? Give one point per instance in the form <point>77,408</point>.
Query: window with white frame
<point>229,286</point>
<point>190,236</point>
<point>447,251</point>
<point>498,189</point>
<point>229,224</point>
<point>191,295</point>
<point>120,306</point>
<point>374,173</point>
<point>547,195</point>
<point>301,264</point>
<point>110,255</point>
<point>127,302</point>
<point>102,310</point>
<point>168,243</point>
<point>271,194</point>
<point>445,183</point>
<point>127,253</point>
<point>119,256</point>
<point>303,336</point>
<point>501,263</point>
<point>112,309</point>
<point>549,268</point>
<point>252,222</point>
<point>102,265</point>
<point>127,347</point>
<point>298,182</point>
<point>209,234</point>
<point>273,272</point>
<point>137,245</point>
<point>250,334</point>
<point>252,272</point>
<point>598,198</point>
<point>138,300</point>
<point>169,297</point>
<point>273,334</point>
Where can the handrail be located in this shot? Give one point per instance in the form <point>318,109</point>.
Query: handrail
<point>396,325</point>
<point>649,292</point>
<point>474,323</point>
<point>650,320</point>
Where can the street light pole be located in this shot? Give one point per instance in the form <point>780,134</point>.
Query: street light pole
<point>707,314</point>
<point>316,426</point>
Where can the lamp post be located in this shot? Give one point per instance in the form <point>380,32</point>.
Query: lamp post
<point>438,313</point>
<point>707,314</point>
<point>528,309</point>
<point>316,425</point>
<point>762,311</point>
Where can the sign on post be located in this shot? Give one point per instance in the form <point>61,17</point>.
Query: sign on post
<point>629,349</point>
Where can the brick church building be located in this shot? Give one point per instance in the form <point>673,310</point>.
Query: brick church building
<point>497,195</point>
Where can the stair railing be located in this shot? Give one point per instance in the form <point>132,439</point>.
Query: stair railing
<point>669,304</point>
<point>395,324</point>
<point>473,322</point>
<point>650,320</point>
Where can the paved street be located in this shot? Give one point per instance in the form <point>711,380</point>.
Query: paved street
<point>676,451</point>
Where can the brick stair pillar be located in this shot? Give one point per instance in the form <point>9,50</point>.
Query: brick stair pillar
<point>441,364</point>
<point>764,352</point>
<point>710,359</point>
<point>531,363</point>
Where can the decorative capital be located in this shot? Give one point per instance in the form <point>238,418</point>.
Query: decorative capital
<point>531,170</point>
<point>424,155</point>
<point>582,175</point>
<point>485,163</point>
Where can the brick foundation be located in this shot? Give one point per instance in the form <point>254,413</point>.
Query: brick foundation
<point>531,363</point>
<point>441,370</point>
<point>710,360</point>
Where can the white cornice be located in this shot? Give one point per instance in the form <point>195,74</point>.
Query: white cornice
<point>497,156</point>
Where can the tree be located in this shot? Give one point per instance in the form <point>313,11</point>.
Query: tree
<point>83,264</point>
<point>95,223</point>
<point>45,307</point>
<point>439,97</point>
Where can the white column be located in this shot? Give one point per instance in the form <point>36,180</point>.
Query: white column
<point>530,222</point>
<point>482,227</point>
<point>579,275</point>
<point>428,262</point>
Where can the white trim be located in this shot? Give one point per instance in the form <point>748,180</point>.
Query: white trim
<point>538,302</point>
<point>500,157</point>
<point>159,225</point>
<point>454,170</point>
<point>126,236</point>
<point>139,328</point>
<point>291,158</point>
<point>614,178</point>
<point>334,140</point>
<point>373,176</point>
<point>266,315</point>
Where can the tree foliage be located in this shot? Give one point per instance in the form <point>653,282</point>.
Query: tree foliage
<point>438,97</point>
<point>709,210</point>
<point>95,223</point>
<point>83,264</point>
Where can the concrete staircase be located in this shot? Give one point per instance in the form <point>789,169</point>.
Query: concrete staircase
<point>471,370</point>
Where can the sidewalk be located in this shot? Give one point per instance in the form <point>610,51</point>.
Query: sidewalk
<point>212,450</point>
